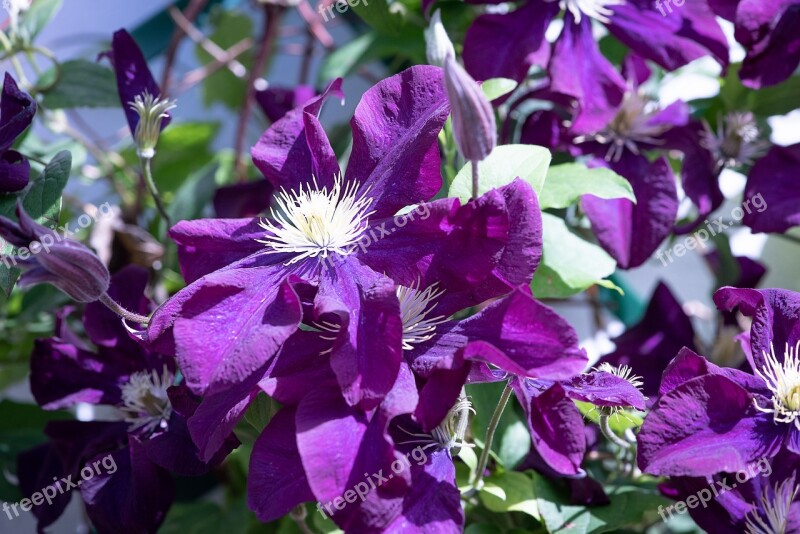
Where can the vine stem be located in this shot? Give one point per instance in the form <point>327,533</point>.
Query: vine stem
<point>151,186</point>
<point>475,179</point>
<point>605,428</point>
<point>114,306</point>
<point>487,442</point>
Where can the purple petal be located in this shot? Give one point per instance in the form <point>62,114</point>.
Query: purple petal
<point>395,130</point>
<point>277,482</point>
<point>687,365</point>
<point>242,200</point>
<point>287,151</point>
<point>632,232</point>
<point>278,101</point>
<point>37,468</point>
<point>15,172</point>
<point>768,31</point>
<point>507,45</point>
<point>604,389</point>
<point>17,109</point>
<point>772,183</point>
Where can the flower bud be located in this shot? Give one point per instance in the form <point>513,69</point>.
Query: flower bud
<point>473,117</point>
<point>46,257</point>
<point>152,111</point>
<point>438,46</point>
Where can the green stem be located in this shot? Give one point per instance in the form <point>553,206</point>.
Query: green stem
<point>487,442</point>
<point>151,186</point>
<point>605,428</point>
<point>12,56</point>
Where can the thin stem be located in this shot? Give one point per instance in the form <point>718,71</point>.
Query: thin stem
<point>112,305</point>
<point>487,442</point>
<point>463,420</point>
<point>151,186</point>
<point>475,180</point>
<point>605,428</point>
<point>298,515</point>
<point>272,16</point>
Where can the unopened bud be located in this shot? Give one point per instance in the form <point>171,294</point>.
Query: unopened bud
<point>438,46</point>
<point>473,117</point>
<point>152,111</point>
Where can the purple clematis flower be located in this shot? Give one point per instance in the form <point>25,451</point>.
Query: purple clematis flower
<point>154,437</point>
<point>321,259</point>
<point>772,181</point>
<point>766,30</point>
<point>506,45</point>
<point>650,345</point>
<point>16,114</point>
<point>767,502</point>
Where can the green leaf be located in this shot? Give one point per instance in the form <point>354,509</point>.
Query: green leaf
<point>43,200</point>
<point>510,492</point>
<point>569,263</point>
<point>183,149</point>
<point>83,84</point>
<point>200,517</point>
<point>256,418</point>
<point>501,167</point>
<point>628,506</point>
<point>223,86</point>
<point>777,99</point>
<point>37,16</point>
<point>566,183</point>
<point>368,47</point>
<point>496,87</point>
<point>196,192</point>
<point>390,18</point>
<point>505,446</point>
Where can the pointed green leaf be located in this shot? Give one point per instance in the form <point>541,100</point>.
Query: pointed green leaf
<point>566,183</point>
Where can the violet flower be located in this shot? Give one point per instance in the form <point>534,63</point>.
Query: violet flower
<point>152,440</point>
<point>16,114</point>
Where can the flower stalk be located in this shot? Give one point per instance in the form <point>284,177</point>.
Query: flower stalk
<point>483,460</point>
<point>114,306</point>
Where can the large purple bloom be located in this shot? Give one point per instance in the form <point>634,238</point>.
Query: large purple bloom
<point>153,440</point>
<point>16,114</point>
<point>325,253</point>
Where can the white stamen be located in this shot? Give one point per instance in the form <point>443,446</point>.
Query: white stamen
<point>146,401</point>
<point>783,380</point>
<point>445,435</point>
<point>737,140</point>
<point>775,509</point>
<point>630,126</point>
<point>315,222</point>
<point>595,9</point>
<point>151,110</point>
<point>415,305</point>
<point>624,372</point>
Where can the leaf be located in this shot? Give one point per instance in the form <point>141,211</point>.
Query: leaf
<point>195,193</point>
<point>484,399</point>
<point>43,200</point>
<point>37,16</point>
<point>200,517</point>
<point>501,167</point>
<point>494,88</point>
<point>566,183</point>
<point>628,505</point>
<point>256,418</point>
<point>569,263</point>
<point>182,150</point>
<point>223,86</point>
<point>369,47</point>
<point>390,18</point>
<point>82,84</point>
<point>510,492</point>
<point>515,443</point>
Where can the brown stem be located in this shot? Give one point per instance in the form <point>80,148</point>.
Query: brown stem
<point>308,54</point>
<point>194,9</point>
<point>272,16</point>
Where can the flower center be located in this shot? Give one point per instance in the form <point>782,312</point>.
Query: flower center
<point>783,380</point>
<point>145,400</point>
<point>736,141</point>
<point>447,435</point>
<point>415,305</point>
<point>316,222</point>
<point>773,517</point>
<point>631,126</point>
<point>596,9</point>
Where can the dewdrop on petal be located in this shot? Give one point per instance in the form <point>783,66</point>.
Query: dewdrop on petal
<point>438,46</point>
<point>473,117</point>
<point>152,110</point>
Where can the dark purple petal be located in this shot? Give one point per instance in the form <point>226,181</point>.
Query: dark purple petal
<point>14,172</point>
<point>507,45</point>
<point>687,365</point>
<point>367,352</point>
<point>704,426</point>
<point>768,31</point>
<point>211,424</point>
<point>231,324</point>
<point>440,390</point>
<point>671,39</point>
<point>604,389</point>
<point>134,498</point>
<point>37,469</point>
<point>632,232</point>
<point>774,198</point>
<point>395,130</point>
<point>525,338</point>
<point>206,245</point>
<point>278,101</point>
<point>277,482</point>
<point>17,109</point>
<point>242,200</point>
<point>133,75</point>
<point>650,345</point>
<point>286,152</point>
<point>579,70</point>
<point>78,441</point>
